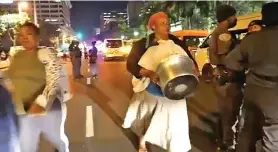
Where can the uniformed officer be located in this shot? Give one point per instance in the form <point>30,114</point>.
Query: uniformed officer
<point>258,54</point>
<point>229,95</point>
<point>255,26</point>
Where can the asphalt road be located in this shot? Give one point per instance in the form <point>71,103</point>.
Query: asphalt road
<point>89,128</point>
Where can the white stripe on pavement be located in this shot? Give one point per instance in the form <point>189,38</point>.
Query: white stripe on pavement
<point>88,80</point>
<point>89,122</point>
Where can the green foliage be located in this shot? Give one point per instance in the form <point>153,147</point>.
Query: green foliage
<point>4,26</point>
<point>246,7</point>
<point>129,32</point>
<point>3,12</point>
<point>196,14</point>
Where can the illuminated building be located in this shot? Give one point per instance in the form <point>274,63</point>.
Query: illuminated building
<point>111,20</point>
<point>55,12</point>
<point>133,11</point>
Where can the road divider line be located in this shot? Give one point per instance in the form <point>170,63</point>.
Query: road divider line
<point>88,80</point>
<point>89,122</point>
<point>102,101</point>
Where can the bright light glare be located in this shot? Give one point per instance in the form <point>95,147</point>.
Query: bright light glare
<point>6,1</point>
<point>65,46</point>
<point>79,35</point>
<point>23,5</point>
<point>136,33</point>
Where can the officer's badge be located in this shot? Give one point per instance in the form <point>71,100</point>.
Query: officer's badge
<point>224,43</point>
<point>225,37</point>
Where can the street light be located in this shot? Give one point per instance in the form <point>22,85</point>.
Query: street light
<point>79,36</point>
<point>135,33</point>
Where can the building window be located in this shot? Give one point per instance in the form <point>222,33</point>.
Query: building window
<point>54,11</point>
<point>55,15</point>
<point>44,6</point>
<point>45,11</point>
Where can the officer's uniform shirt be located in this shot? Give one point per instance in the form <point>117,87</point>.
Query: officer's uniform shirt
<point>220,44</point>
<point>258,54</point>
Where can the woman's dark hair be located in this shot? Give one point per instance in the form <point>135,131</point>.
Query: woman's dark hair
<point>31,25</point>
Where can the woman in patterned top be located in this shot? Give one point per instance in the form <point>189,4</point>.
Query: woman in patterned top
<point>35,74</point>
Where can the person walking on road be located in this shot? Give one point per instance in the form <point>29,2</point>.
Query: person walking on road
<point>164,122</point>
<point>258,54</point>
<point>93,59</point>
<point>75,55</point>
<point>36,76</point>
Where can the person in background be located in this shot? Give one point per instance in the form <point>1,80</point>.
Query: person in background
<point>4,54</point>
<point>93,59</point>
<point>65,56</point>
<point>258,55</point>
<point>255,26</point>
<point>75,55</point>
<point>35,75</point>
<point>229,95</point>
<point>85,54</point>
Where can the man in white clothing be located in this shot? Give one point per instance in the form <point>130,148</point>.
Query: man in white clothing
<point>167,121</point>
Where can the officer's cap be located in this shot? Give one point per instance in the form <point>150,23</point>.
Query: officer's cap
<point>270,14</point>
<point>255,22</point>
<point>223,12</point>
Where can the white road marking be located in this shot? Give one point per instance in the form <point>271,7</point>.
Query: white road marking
<point>88,80</point>
<point>89,122</point>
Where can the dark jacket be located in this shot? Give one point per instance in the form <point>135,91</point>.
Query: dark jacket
<point>75,50</point>
<point>141,46</point>
<point>93,52</point>
<point>257,54</point>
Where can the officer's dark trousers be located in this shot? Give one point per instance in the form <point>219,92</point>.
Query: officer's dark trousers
<point>262,106</point>
<point>229,98</point>
<point>153,148</point>
<point>76,66</point>
<point>251,131</point>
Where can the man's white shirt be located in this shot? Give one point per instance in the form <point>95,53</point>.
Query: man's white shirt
<point>152,58</point>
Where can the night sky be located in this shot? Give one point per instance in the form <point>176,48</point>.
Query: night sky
<point>86,15</point>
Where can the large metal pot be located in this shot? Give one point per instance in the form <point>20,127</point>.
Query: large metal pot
<point>176,77</point>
